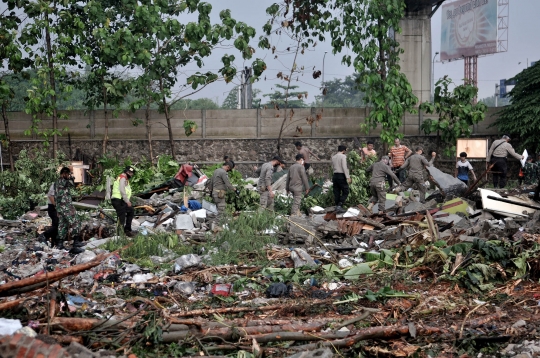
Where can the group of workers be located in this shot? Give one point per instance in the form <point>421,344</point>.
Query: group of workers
<point>63,215</point>
<point>389,168</point>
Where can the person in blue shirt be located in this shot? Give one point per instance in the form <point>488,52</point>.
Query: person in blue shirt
<point>462,169</point>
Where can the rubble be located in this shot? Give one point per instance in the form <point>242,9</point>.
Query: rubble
<point>417,279</point>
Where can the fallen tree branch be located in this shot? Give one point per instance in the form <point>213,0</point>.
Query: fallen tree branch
<point>385,332</point>
<point>205,312</point>
<point>7,288</point>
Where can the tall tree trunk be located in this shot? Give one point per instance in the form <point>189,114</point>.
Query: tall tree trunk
<point>53,86</point>
<point>8,139</point>
<point>169,127</point>
<point>106,134</point>
<point>149,133</point>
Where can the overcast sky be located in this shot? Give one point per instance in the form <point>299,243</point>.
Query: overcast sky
<point>523,45</point>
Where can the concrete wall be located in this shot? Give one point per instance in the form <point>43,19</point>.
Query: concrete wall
<point>221,123</point>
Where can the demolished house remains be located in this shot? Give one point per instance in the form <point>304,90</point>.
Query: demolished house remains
<point>454,275</point>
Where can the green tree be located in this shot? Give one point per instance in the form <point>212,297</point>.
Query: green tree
<point>170,45</point>
<point>200,103</point>
<point>47,38</point>
<point>10,58</point>
<point>366,28</point>
<point>231,101</point>
<point>293,99</point>
<point>521,118</point>
<point>456,113</point>
<point>490,101</point>
<point>342,93</point>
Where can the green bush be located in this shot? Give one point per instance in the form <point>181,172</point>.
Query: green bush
<point>27,185</point>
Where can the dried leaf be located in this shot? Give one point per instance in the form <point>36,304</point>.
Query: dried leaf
<point>316,74</point>
<point>299,130</point>
<point>305,95</point>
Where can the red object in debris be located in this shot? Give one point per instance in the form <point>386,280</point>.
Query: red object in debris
<point>222,289</point>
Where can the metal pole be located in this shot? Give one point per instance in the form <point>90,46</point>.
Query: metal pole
<point>433,77</point>
<point>325,52</point>
<point>496,94</point>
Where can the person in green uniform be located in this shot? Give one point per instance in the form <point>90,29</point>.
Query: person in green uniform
<point>67,215</point>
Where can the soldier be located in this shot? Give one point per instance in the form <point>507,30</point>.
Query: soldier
<point>220,185</point>
<point>265,182</point>
<point>416,164</point>
<point>297,183</point>
<point>121,200</point>
<point>377,183</point>
<point>67,215</point>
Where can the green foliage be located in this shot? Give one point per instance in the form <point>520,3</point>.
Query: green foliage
<point>189,127</point>
<point>142,247</point>
<point>359,188</point>
<point>342,93</point>
<point>366,28</point>
<point>456,111</point>
<point>294,99</point>
<point>28,184</point>
<point>521,119</point>
<point>245,237</point>
<point>231,101</point>
<point>200,103</point>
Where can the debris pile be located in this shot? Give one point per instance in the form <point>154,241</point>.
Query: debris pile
<point>450,276</point>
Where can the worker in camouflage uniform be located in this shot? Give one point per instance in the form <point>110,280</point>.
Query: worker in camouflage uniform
<point>377,183</point>
<point>297,183</point>
<point>67,215</point>
<point>415,177</point>
<point>529,171</point>
<point>220,184</point>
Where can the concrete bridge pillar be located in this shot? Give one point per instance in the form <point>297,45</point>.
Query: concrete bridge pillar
<point>416,62</point>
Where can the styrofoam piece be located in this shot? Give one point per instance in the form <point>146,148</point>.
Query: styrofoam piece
<point>351,212</point>
<point>184,222</point>
<point>505,209</point>
<point>199,214</point>
<point>209,206</point>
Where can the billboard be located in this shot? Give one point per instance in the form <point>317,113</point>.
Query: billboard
<point>468,28</point>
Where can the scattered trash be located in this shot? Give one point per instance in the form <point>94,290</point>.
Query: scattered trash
<point>279,290</point>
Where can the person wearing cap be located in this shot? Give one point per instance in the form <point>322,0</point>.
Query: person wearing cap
<point>121,200</point>
<point>220,185</point>
<point>341,178</point>
<point>265,182</point>
<point>416,164</point>
<point>306,153</point>
<point>377,183</point>
<point>67,215</point>
<point>498,152</point>
<point>297,183</point>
